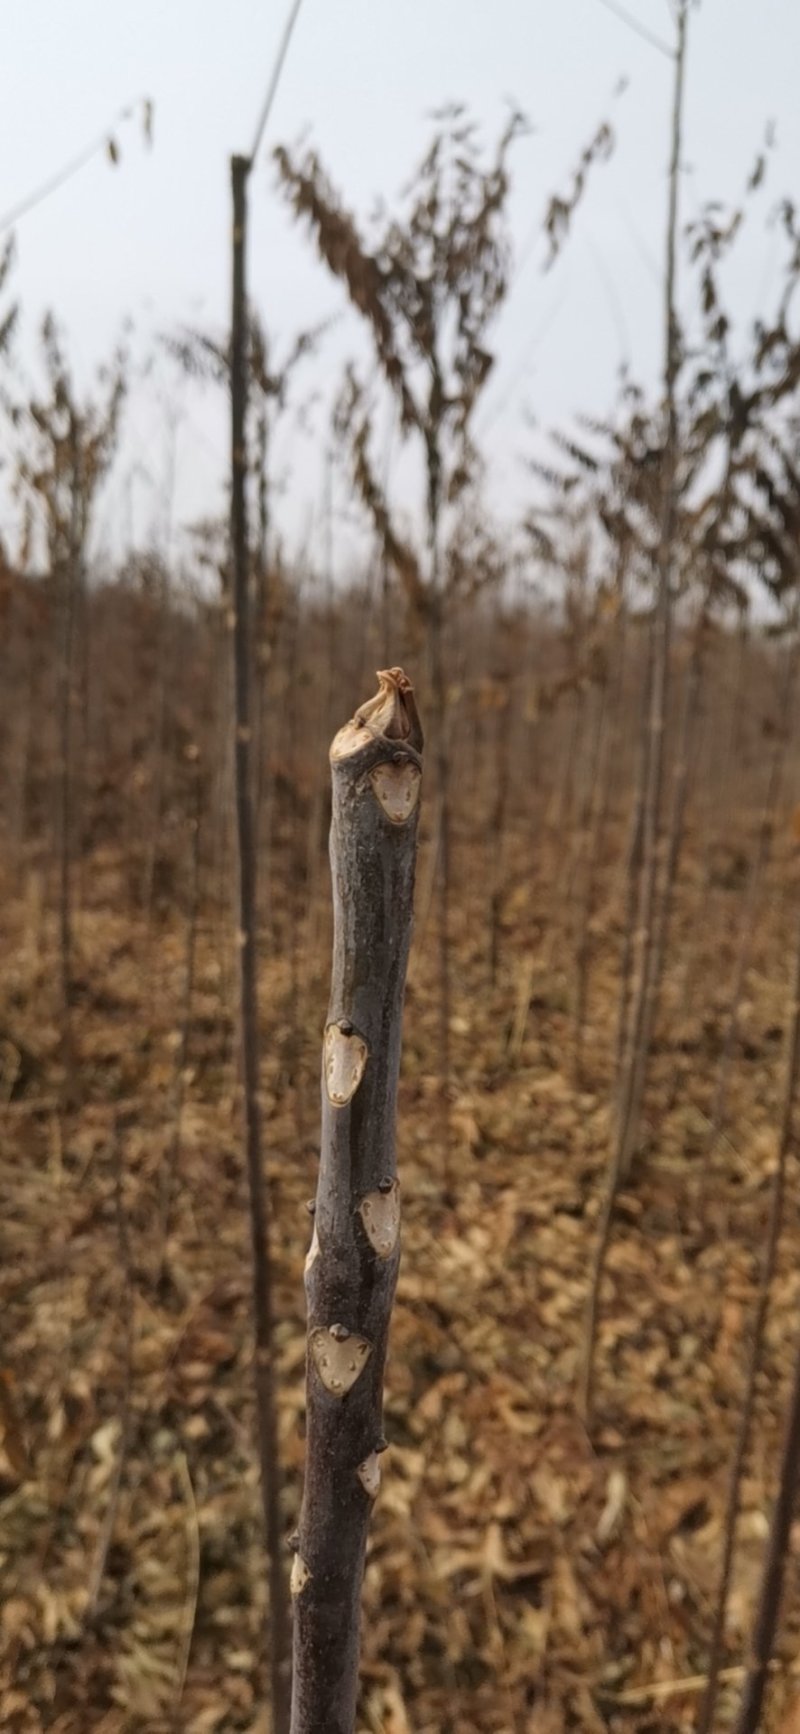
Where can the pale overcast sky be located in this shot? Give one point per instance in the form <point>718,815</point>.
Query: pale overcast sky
<point>150,238</point>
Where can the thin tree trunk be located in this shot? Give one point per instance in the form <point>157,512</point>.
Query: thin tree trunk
<point>171,1166</point>
<point>159,748</point>
<point>82,697</point>
<point>706,1721</point>
<point>442,832</point>
<point>713,810</point>
<point>644,1005</point>
<point>319,806</point>
<point>603,807</point>
<point>69,582</point>
<point>128,1309</point>
<point>262,1270</point>
<point>647,982</point>
<point>769,1600</point>
<point>677,820</point>
<point>260,635</point>
<point>497,823</point>
<point>633,869</point>
<point>719,1108</point>
<point>591,808</point>
<point>296,888</point>
<point>566,787</point>
<point>351,1269</point>
<point>644,1000</point>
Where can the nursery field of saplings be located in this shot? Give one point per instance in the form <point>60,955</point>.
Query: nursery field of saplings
<point>578,1495</point>
<point>523,1573</point>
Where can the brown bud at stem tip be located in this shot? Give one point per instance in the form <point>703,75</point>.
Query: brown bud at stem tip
<point>391,715</point>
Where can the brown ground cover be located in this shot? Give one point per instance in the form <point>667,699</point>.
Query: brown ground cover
<point>520,1577</point>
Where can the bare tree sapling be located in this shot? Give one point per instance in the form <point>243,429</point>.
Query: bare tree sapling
<point>351,1268</point>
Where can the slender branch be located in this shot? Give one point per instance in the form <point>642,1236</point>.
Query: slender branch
<point>105,142</point>
<point>769,1259</point>
<point>275,78</point>
<point>106,1535</point>
<point>769,1602</point>
<point>747,929</point>
<point>171,1166</point>
<point>627,17</point>
<point>630,1116</point>
<point>262,1260</point>
<point>643,1009</point>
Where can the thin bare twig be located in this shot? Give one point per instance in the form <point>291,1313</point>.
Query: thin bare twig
<point>104,142</point>
<point>626,17</point>
<point>274,80</point>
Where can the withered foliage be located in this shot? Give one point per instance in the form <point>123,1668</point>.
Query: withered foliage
<point>561,208</point>
<point>428,287</point>
<point>65,449</point>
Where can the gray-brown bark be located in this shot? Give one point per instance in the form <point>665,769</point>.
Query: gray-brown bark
<point>69,583</point>
<point>643,1009</point>
<point>260,1226</point>
<point>747,930</point>
<point>637,1048</point>
<point>351,1269</point>
<point>762,1637</point>
<point>769,1600</point>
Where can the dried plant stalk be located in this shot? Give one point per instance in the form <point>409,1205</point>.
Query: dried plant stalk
<point>351,1269</point>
